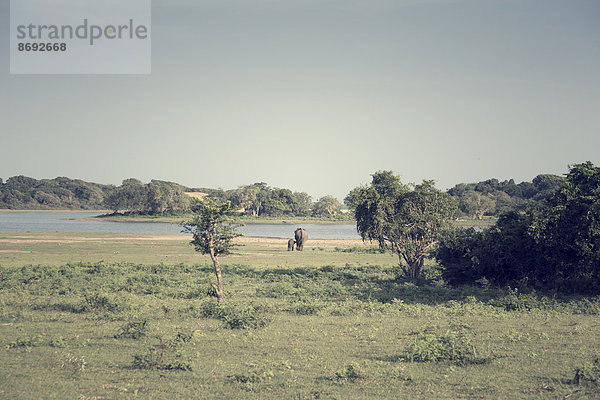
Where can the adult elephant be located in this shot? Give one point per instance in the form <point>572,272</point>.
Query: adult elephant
<point>291,243</point>
<point>301,237</point>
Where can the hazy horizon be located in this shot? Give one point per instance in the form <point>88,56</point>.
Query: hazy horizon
<point>316,96</point>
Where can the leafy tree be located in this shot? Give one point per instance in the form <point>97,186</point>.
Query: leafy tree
<point>374,205</point>
<point>476,205</point>
<point>327,206</point>
<point>353,198</point>
<point>166,197</point>
<point>212,234</point>
<point>279,202</point>
<point>408,222</point>
<point>507,195</point>
<point>303,203</point>
<point>570,229</point>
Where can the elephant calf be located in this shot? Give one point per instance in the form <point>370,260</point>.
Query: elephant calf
<point>291,244</point>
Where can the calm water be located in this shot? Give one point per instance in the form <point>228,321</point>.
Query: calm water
<point>64,222</point>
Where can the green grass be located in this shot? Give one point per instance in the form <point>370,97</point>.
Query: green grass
<point>295,325</point>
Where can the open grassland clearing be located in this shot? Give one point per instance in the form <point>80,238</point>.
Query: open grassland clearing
<point>334,321</point>
<point>19,249</point>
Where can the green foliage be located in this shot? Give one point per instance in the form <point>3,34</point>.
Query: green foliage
<point>360,249</point>
<point>212,234</point>
<point>569,231</point>
<point>210,227</point>
<point>235,316</point>
<point>94,301</point>
<point>156,197</point>
<point>454,345</point>
<point>24,340</point>
<point>326,206</point>
<point>21,192</point>
<point>588,373</point>
<point>410,222</point>
<point>492,197</point>
<point>133,330</point>
<point>252,380</point>
<point>555,248</point>
<point>261,200</point>
<point>166,355</point>
<point>350,372</point>
<point>505,254</point>
<point>476,205</point>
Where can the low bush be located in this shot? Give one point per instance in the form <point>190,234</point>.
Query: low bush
<point>166,355</point>
<point>235,316</point>
<point>133,330</point>
<point>360,249</point>
<point>250,380</point>
<point>350,372</point>
<point>454,345</point>
<point>589,373</point>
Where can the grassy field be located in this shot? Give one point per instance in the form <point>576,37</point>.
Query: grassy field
<point>100,316</point>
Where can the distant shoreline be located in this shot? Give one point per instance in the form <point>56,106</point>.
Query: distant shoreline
<point>104,216</point>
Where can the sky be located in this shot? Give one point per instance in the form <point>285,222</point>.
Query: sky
<point>316,96</point>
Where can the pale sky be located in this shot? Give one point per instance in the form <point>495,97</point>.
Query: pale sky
<point>316,96</point>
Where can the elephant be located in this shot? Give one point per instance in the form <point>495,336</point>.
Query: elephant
<point>301,237</point>
<point>291,243</point>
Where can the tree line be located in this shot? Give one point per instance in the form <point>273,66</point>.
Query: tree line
<point>158,198</point>
<point>492,197</point>
<point>475,200</point>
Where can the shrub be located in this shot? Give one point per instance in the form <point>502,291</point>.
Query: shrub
<point>305,308</point>
<point>456,255</point>
<point>250,380</point>
<point>235,316</point>
<point>350,372</point>
<point>247,317</point>
<point>589,373</point>
<point>166,355</point>
<point>133,330</point>
<point>101,302</point>
<point>360,249</point>
<point>455,345</point>
<point>25,341</point>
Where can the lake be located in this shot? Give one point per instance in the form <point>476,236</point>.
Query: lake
<point>63,221</point>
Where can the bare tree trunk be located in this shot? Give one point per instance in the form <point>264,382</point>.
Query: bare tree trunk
<point>219,287</point>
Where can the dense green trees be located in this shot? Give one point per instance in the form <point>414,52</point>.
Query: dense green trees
<point>492,197</point>
<point>407,221</point>
<point>156,197</point>
<point>21,192</point>
<point>326,206</point>
<point>569,230</point>
<point>259,200</point>
<point>554,247</point>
